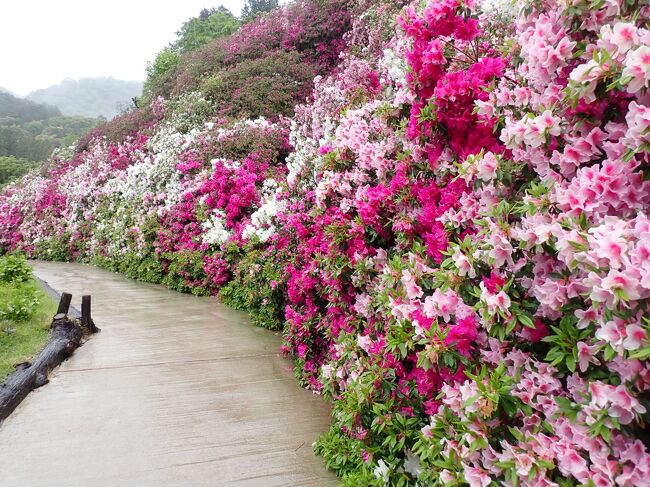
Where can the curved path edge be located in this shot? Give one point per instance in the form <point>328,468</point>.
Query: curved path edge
<point>175,390</point>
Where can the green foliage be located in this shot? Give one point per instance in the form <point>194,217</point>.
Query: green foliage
<point>25,314</point>
<point>19,304</point>
<point>196,32</point>
<point>11,168</point>
<point>253,8</point>
<point>14,269</point>
<point>188,111</point>
<point>563,351</point>
<point>257,288</point>
<point>17,110</point>
<point>341,453</point>
<point>120,127</point>
<point>184,266</point>
<point>210,24</point>
<point>54,248</point>
<point>19,307</point>
<point>161,73</point>
<point>265,87</point>
<point>31,131</point>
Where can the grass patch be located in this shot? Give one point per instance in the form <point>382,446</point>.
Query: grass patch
<point>26,312</point>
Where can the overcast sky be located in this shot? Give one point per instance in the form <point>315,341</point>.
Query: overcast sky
<point>45,41</point>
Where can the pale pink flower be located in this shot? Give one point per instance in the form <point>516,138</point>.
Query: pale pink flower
<point>462,263</point>
<point>446,476</point>
<point>328,371</point>
<point>401,310</point>
<point>541,126</point>
<point>551,293</point>
<point>621,404</point>
<point>362,303</point>
<point>441,304</point>
<point>636,337</point>
<point>586,356</point>
<point>513,133</point>
<point>364,342</point>
<point>487,167</point>
<point>587,74</point>
<point>637,67</point>
<point>612,332</point>
<point>570,462</point>
<point>501,251</point>
<point>469,390</point>
<point>616,285</point>
<point>476,477</point>
<point>485,108</point>
<point>523,463</point>
<point>625,35</point>
<point>500,301</point>
<point>413,291</point>
<point>638,126</point>
<point>620,38</point>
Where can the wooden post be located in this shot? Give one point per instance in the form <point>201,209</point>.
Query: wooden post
<point>66,334</point>
<point>65,337</point>
<point>64,303</point>
<point>86,319</point>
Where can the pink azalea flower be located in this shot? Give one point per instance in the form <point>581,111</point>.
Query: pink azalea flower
<point>487,167</point>
<point>476,477</point>
<point>636,337</point>
<point>413,291</point>
<point>499,301</point>
<point>612,332</point>
<point>637,67</point>
<point>585,317</point>
<point>364,342</point>
<point>586,356</point>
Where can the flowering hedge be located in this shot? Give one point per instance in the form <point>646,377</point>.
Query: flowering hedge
<point>451,232</point>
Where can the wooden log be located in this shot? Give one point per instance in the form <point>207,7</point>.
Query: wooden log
<point>86,318</point>
<point>64,303</point>
<point>65,337</point>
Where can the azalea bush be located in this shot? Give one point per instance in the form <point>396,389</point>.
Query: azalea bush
<point>450,228</point>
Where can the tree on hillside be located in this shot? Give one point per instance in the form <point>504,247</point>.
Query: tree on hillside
<point>30,131</point>
<point>252,8</point>
<point>160,71</point>
<point>210,24</point>
<point>195,32</point>
<point>11,168</point>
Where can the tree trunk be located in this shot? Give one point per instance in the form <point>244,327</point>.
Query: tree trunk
<point>65,337</point>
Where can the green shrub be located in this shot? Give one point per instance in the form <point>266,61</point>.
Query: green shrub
<point>257,288</point>
<point>185,272</point>
<point>14,269</point>
<point>161,73</point>
<point>21,306</point>
<point>342,454</point>
<point>11,168</point>
<point>264,87</point>
<point>57,249</point>
<point>25,316</point>
<point>210,24</point>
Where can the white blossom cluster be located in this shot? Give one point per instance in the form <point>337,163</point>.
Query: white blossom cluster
<point>262,220</point>
<point>215,228</point>
<point>394,64</point>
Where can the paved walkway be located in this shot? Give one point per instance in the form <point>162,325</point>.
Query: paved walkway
<point>175,391</point>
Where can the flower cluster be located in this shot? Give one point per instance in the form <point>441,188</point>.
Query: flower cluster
<point>453,232</point>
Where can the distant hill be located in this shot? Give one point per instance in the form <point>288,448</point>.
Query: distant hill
<point>17,110</point>
<point>30,131</point>
<point>89,97</point>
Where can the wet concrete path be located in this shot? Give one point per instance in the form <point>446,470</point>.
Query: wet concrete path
<point>175,391</point>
